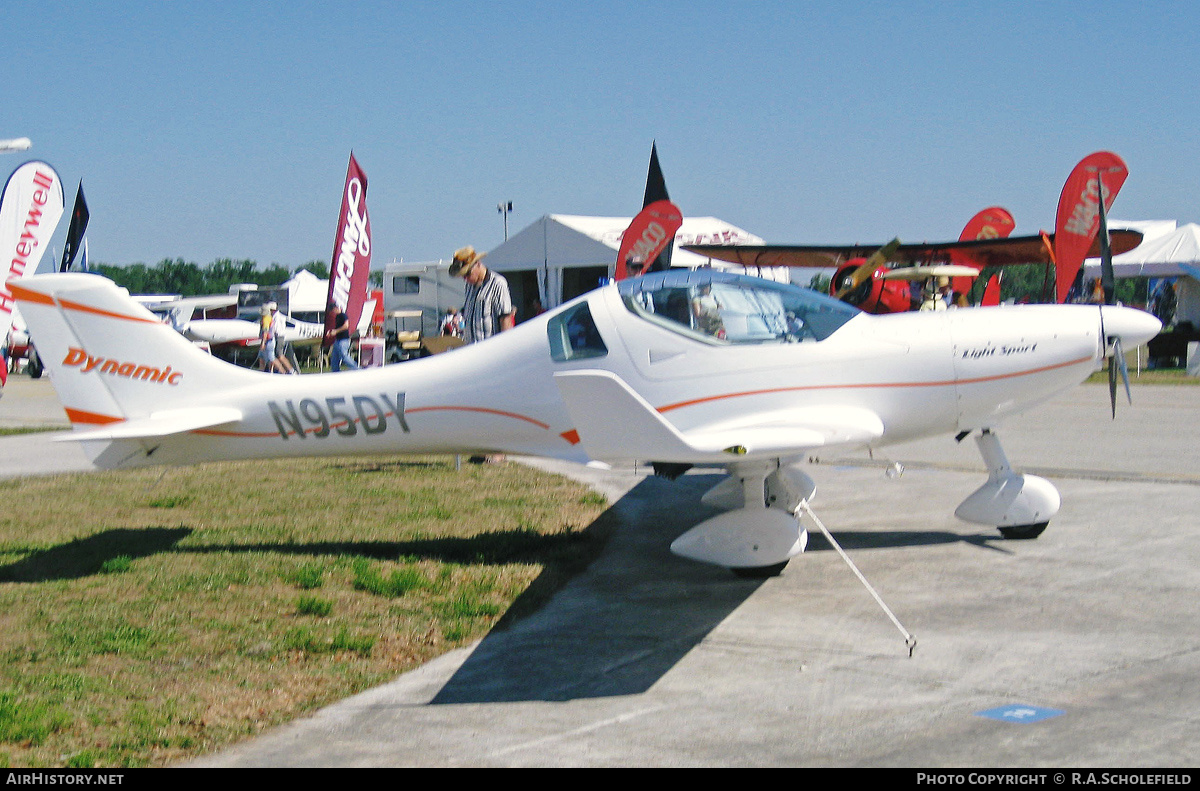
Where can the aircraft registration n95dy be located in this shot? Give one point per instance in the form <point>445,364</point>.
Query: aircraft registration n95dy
<point>675,368</point>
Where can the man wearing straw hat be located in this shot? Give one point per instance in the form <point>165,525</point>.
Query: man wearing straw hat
<point>488,307</point>
<point>487,310</point>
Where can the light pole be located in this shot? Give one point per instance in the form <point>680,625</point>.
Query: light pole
<point>505,209</point>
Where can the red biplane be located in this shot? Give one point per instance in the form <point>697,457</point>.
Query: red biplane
<point>877,278</point>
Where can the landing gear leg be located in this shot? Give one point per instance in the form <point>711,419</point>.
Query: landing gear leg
<point>1020,506</point>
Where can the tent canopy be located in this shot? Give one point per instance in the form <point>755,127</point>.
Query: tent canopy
<point>1159,254</point>
<point>558,242</point>
<point>307,292</point>
<point>575,240</point>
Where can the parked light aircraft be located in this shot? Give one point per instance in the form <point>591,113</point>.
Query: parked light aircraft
<point>239,331</point>
<point>677,368</point>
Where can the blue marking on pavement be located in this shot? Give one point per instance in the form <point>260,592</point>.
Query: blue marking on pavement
<point>1020,713</point>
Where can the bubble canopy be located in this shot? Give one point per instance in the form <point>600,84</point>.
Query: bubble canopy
<point>724,308</point>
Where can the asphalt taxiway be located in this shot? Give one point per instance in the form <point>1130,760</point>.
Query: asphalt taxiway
<point>1078,649</point>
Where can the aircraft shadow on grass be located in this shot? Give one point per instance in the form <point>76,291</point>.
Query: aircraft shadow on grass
<point>86,556</point>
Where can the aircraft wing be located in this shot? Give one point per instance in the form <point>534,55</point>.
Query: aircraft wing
<point>159,424</point>
<point>614,422</point>
<point>982,252</point>
<point>222,330</point>
<point>189,303</point>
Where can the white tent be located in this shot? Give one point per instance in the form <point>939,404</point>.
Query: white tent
<point>561,256</point>
<point>1156,256</point>
<point>1159,256</point>
<point>307,292</point>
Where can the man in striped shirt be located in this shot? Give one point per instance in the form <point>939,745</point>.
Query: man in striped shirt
<point>488,308</point>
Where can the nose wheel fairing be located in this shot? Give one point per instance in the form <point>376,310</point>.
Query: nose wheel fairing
<point>1019,505</point>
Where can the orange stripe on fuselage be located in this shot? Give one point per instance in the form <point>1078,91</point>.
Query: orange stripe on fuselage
<point>27,295</point>
<point>91,418</point>
<point>483,410</point>
<point>69,305</point>
<point>870,386</point>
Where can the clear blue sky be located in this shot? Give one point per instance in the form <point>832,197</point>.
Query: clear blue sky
<point>222,129</point>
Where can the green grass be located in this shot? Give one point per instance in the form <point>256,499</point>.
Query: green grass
<point>148,617</point>
<point>391,584</point>
<point>311,605</point>
<point>28,722</point>
<point>116,565</point>
<point>308,577</point>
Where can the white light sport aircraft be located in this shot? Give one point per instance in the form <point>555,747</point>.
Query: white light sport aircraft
<point>677,368</point>
<point>239,331</point>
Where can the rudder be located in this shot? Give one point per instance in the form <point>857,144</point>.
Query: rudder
<point>110,358</point>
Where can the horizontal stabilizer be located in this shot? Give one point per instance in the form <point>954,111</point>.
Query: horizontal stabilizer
<point>159,424</point>
<point>615,422</point>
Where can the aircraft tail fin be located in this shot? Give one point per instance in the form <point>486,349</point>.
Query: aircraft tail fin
<point>111,360</point>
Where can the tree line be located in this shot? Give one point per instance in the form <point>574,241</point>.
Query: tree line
<point>176,276</point>
<point>1035,283</point>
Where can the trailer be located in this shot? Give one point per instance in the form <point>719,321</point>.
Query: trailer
<point>415,298</point>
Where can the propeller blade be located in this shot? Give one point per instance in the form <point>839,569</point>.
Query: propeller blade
<point>1112,385</point>
<point>1119,356</point>
<point>1116,359</point>
<point>877,259</point>
<point>1103,336</point>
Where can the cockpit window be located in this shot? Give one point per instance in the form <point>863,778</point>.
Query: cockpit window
<point>718,307</point>
<point>573,335</point>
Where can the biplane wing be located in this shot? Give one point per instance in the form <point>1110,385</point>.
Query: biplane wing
<point>982,252</point>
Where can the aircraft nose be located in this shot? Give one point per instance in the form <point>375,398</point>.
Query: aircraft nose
<point>1134,327</point>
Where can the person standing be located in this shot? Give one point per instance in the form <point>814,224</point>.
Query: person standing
<point>266,340</point>
<point>487,308</point>
<point>452,323</point>
<point>281,363</point>
<point>339,352</point>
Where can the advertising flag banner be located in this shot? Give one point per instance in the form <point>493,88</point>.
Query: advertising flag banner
<point>75,232</point>
<point>30,208</point>
<point>993,222</point>
<point>646,237</point>
<point>349,271</point>
<point>991,292</point>
<point>1078,217</point>
<point>646,245</point>
<point>656,190</point>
